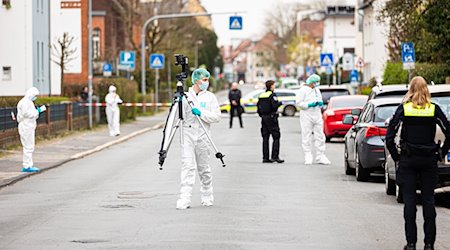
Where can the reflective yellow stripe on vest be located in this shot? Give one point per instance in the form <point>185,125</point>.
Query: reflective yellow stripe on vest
<point>265,94</point>
<point>418,112</point>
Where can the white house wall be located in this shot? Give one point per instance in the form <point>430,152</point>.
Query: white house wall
<point>375,40</point>
<point>16,48</point>
<point>66,20</point>
<point>339,33</point>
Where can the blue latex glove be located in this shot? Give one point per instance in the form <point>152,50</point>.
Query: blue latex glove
<point>196,111</point>
<point>320,104</point>
<point>39,109</point>
<point>312,104</point>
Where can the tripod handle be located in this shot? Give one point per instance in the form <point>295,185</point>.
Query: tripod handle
<point>220,156</point>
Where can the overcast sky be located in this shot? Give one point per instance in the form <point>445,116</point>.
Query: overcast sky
<point>253,19</point>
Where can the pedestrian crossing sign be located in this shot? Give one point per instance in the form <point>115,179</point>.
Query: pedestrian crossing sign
<point>156,61</point>
<point>235,23</point>
<point>326,59</point>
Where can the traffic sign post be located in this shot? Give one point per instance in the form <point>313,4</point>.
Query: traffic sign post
<point>408,57</point>
<point>235,23</point>
<point>156,62</point>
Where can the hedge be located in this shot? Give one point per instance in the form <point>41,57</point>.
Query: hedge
<point>126,89</point>
<point>11,101</point>
<point>395,74</point>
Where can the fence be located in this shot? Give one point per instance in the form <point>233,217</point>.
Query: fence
<point>57,119</point>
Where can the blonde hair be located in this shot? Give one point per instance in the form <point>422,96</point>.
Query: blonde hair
<point>418,93</point>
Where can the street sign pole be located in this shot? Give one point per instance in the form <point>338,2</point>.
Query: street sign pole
<point>156,88</point>
<point>90,63</point>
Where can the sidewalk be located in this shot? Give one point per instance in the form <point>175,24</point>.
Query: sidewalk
<point>56,152</point>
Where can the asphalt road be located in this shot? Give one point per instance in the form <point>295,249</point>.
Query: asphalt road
<point>118,199</point>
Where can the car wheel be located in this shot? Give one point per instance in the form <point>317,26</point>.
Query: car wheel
<point>328,139</point>
<point>398,194</point>
<point>348,169</point>
<point>362,174</point>
<point>289,111</point>
<point>389,183</point>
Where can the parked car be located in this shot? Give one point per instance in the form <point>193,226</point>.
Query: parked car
<point>364,142</point>
<point>330,91</point>
<point>287,97</point>
<point>399,90</point>
<point>288,83</point>
<point>337,108</point>
<point>440,95</point>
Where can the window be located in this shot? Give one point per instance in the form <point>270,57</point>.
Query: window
<point>41,73</point>
<point>280,94</point>
<point>96,43</point>
<point>7,76</point>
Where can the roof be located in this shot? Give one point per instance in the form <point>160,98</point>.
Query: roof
<point>312,28</point>
<point>403,87</point>
<point>348,97</point>
<point>386,101</point>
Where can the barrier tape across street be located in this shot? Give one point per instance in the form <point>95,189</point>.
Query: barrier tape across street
<point>131,104</point>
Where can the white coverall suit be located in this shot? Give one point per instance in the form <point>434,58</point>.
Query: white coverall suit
<point>27,114</point>
<point>196,148</point>
<point>113,111</point>
<point>311,123</point>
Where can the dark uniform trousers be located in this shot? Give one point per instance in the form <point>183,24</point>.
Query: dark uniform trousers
<point>415,169</point>
<point>235,110</point>
<point>269,126</point>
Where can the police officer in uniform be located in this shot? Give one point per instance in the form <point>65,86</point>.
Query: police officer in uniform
<point>418,156</point>
<point>267,109</point>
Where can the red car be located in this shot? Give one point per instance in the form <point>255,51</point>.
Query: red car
<point>337,108</point>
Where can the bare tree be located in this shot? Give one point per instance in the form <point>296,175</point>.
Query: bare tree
<point>63,53</point>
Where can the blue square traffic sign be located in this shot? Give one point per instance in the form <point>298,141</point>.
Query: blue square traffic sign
<point>156,61</point>
<point>235,23</point>
<point>408,55</point>
<point>127,60</point>
<point>326,59</point>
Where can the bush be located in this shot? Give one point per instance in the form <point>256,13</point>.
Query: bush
<point>395,74</point>
<point>73,90</point>
<point>127,90</point>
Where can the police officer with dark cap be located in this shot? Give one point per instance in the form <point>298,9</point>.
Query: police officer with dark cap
<point>267,109</point>
<point>418,156</point>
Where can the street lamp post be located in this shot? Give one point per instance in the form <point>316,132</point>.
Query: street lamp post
<point>197,43</point>
<point>90,63</point>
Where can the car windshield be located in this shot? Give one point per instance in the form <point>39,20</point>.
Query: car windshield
<point>327,94</point>
<point>348,102</point>
<point>253,94</point>
<point>443,102</point>
<point>384,112</point>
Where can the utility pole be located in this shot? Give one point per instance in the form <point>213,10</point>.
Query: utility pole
<point>90,62</point>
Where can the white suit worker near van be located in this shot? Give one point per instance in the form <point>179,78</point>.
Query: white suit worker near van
<point>195,147</point>
<point>112,100</point>
<point>310,102</point>
<point>27,114</point>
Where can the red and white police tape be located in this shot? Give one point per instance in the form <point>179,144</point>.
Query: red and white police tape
<point>131,104</point>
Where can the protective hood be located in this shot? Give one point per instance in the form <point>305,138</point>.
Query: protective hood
<point>31,93</point>
<point>112,89</point>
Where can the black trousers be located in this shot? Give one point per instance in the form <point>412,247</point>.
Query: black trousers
<point>419,171</point>
<point>235,110</point>
<point>269,126</point>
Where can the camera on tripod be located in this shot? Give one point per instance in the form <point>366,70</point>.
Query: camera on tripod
<point>183,61</point>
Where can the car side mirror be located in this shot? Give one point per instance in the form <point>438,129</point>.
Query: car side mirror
<point>356,112</point>
<point>348,120</point>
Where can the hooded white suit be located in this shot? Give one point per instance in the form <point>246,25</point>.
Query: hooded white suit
<point>311,123</point>
<point>27,114</point>
<point>196,148</point>
<point>113,111</point>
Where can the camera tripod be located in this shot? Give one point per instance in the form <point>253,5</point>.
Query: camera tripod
<point>173,122</point>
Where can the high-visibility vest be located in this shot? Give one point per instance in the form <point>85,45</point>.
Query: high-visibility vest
<point>410,111</point>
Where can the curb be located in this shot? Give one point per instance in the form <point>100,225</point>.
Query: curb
<point>81,155</point>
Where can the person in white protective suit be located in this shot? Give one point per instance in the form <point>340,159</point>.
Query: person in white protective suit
<point>310,102</point>
<point>196,148</point>
<point>112,100</point>
<point>27,114</point>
